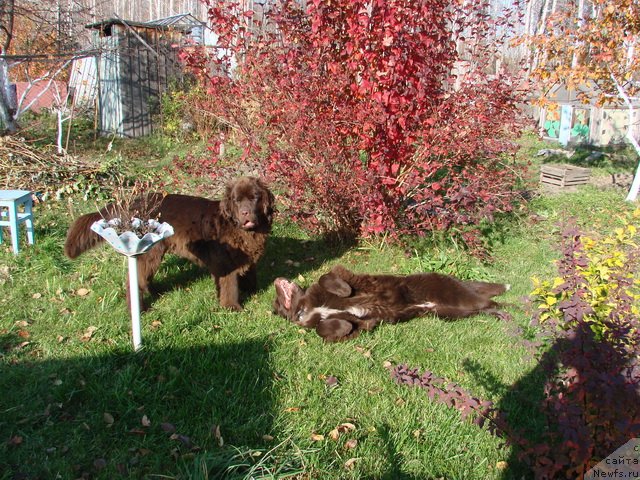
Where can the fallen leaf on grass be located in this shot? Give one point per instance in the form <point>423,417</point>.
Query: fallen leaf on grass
<point>168,427</point>
<point>82,292</point>
<point>366,353</point>
<point>351,444</point>
<point>186,441</point>
<point>36,295</point>
<point>15,440</point>
<point>342,428</point>
<point>217,435</point>
<point>267,438</point>
<point>108,418</point>
<point>350,463</point>
<point>145,421</point>
<point>502,465</point>
<point>331,381</point>
<point>316,437</point>
<point>292,409</point>
<point>88,333</point>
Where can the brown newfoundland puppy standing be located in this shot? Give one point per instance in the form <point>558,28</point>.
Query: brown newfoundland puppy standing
<point>227,237</point>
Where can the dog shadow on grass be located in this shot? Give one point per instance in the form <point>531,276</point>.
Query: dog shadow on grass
<point>284,257</point>
<point>135,415</point>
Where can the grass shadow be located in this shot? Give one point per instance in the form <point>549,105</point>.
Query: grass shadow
<point>131,415</point>
<point>575,408</point>
<point>9,340</point>
<point>519,409</point>
<point>394,471</point>
<point>290,257</point>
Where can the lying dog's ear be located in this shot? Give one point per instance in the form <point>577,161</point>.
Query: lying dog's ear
<point>335,285</point>
<point>286,292</point>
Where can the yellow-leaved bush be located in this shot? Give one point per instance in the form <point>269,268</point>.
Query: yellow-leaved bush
<point>598,283</point>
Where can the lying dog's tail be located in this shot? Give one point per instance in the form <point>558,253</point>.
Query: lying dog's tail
<point>80,237</point>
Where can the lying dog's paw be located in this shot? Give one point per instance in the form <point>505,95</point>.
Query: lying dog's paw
<point>334,329</point>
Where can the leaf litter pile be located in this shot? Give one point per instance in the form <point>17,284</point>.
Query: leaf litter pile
<point>41,169</point>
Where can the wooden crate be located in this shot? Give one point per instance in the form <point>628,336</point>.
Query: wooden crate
<point>561,175</point>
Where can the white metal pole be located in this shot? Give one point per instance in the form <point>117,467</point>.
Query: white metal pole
<point>134,297</point>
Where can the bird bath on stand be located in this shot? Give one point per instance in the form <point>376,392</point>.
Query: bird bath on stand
<point>130,244</point>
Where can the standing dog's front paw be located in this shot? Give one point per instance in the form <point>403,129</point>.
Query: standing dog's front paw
<point>232,306</point>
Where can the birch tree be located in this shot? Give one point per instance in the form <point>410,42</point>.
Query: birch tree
<point>593,42</point>
<point>38,40</point>
<point>7,13</point>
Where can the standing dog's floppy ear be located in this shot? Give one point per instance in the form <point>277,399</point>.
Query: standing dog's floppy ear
<point>335,285</point>
<point>268,203</point>
<point>226,204</point>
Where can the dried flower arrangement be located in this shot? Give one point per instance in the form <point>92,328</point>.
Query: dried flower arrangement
<point>134,209</point>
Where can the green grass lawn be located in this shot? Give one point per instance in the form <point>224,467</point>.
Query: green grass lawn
<point>215,394</point>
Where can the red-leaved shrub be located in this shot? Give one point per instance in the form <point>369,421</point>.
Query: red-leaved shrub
<point>351,105</point>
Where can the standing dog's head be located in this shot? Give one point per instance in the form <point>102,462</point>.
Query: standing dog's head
<point>249,204</point>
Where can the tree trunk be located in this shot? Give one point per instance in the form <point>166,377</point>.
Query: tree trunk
<point>575,59</point>
<point>7,112</point>
<point>542,27</point>
<point>632,196</point>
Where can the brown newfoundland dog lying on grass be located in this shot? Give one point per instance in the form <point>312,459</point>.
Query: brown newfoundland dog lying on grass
<point>343,303</point>
<point>226,236</point>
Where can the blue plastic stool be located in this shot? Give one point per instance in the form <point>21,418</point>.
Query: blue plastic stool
<point>16,206</point>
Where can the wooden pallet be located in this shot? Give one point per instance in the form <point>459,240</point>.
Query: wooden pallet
<point>561,175</point>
